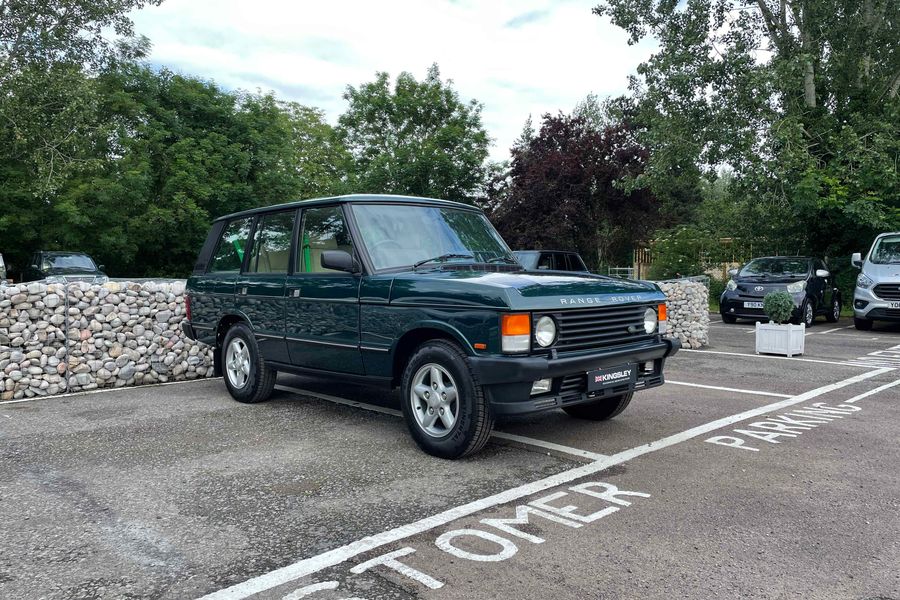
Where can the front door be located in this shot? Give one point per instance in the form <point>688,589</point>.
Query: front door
<point>322,324</point>
<point>260,286</point>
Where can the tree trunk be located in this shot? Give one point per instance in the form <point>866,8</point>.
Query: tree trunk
<point>809,72</point>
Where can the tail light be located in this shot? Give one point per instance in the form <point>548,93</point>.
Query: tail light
<point>187,307</point>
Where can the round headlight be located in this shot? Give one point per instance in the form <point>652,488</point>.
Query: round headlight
<point>545,331</point>
<point>650,320</point>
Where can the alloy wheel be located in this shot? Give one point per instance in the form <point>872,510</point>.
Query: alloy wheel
<point>836,310</point>
<point>808,315</point>
<point>434,399</point>
<point>237,363</point>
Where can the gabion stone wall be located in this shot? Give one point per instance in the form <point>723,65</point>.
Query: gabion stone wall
<point>66,338</point>
<point>687,305</point>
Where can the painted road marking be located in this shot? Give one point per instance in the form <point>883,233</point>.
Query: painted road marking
<point>548,445</point>
<point>889,358</point>
<point>314,564</point>
<point>106,390</point>
<point>793,424</point>
<point>769,356</point>
<point>520,439</point>
<point>728,389</point>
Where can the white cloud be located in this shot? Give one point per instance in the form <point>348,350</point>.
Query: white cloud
<point>515,57</point>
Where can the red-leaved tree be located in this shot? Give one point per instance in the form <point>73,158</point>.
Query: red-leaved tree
<point>564,191</point>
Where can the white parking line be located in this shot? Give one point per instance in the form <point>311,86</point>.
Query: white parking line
<point>728,389</point>
<point>520,439</point>
<point>314,564</point>
<point>548,445</point>
<point>769,356</point>
<point>106,390</point>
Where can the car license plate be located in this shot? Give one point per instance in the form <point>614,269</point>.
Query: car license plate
<point>753,304</point>
<point>604,378</point>
<point>894,304</point>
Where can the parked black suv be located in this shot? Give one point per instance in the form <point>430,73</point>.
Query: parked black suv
<point>425,295</point>
<point>807,279</point>
<point>64,267</point>
<point>550,260</point>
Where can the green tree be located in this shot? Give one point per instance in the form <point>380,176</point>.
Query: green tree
<point>417,138</point>
<point>798,97</point>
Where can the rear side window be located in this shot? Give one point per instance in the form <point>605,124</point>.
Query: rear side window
<point>575,263</point>
<point>323,229</point>
<point>271,250</point>
<point>230,252</point>
<point>545,261</point>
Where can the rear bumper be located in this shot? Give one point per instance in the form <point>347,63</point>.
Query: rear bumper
<point>508,380</point>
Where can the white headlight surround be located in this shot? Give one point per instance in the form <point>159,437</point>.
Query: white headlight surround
<point>545,331</point>
<point>796,287</point>
<point>864,281</point>
<point>651,320</point>
<point>731,285</point>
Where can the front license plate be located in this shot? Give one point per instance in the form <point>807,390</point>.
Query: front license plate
<point>611,377</point>
<point>753,305</point>
<point>895,304</point>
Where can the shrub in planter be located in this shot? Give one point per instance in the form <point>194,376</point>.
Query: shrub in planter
<point>776,337</point>
<point>778,306</point>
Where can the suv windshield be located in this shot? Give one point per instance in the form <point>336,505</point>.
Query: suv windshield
<point>67,261</point>
<point>780,267</point>
<point>402,235</point>
<point>886,251</point>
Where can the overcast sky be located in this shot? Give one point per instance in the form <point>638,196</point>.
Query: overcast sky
<point>516,57</point>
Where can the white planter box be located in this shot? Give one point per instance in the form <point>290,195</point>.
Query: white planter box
<point>787,340</point>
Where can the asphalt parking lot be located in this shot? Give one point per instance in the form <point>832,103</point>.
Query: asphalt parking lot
<point>744,476</point>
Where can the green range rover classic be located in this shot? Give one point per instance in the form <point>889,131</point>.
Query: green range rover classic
<point>425,295</point>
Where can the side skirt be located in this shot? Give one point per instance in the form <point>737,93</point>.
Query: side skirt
<point>383,382</point>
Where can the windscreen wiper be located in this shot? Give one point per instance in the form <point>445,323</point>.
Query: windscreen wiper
<point>442,258</point>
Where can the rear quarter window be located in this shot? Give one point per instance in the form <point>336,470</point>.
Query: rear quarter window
<point>229,255</point>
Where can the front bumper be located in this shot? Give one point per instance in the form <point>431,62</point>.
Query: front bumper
<point>508,379</point>
<point>733,306</point>
<point>866,305</point>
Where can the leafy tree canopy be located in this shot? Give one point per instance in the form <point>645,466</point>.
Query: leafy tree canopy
<point>417,137</point>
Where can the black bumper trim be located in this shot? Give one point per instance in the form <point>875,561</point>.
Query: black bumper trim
<point>551,401</point>
<point>512,369</point>
<point>188,330</point>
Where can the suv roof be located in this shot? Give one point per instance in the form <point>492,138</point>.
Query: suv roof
<point>378,198</point>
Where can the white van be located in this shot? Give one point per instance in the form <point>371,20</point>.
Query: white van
<point>877,294</point>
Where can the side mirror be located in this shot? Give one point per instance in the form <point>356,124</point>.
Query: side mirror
<point>35,267</point>
<point>732,272</point>
<point>338,260</point>
<point>822,273</point>
<point>101,267</point>
<point>856,260</point>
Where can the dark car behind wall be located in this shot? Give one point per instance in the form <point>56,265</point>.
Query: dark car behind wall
<point>63,267</point>
<point>550,260</point>
<point>807,279</point>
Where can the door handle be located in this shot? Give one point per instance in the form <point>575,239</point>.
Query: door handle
<point>243,291</point>
<point>294,292</point>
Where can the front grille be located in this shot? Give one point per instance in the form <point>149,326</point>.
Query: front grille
<point>887,291</point>
<point>600,327</point>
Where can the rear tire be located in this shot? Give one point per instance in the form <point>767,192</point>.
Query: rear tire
<point>444,406</point>
<point>862,324</point>
<point>731,320</point>
<point>600,410</point>
<point>246,375</point>
<point>835,313</point>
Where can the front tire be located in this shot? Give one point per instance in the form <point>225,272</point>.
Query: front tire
<point>807,314</point>
<point>600,410</point>
<point>729,319</point>
<point>246,375</point>
<point>444,406</point>
<point>835,313</point>
<point>862,324</point>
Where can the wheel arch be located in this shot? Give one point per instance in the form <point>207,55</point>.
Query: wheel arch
<point>225,323</point>
<point>417,336</point>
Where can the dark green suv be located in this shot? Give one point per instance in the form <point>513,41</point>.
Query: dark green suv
<point>425,295</point>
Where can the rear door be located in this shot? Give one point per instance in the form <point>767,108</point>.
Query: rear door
<point>322,324</point>
<point>212,293</point>
<point>260,288</point>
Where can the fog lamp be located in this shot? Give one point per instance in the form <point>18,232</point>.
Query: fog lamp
<point>541,386</point>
